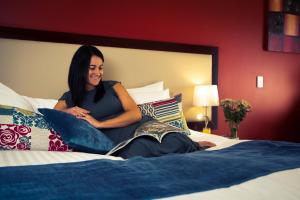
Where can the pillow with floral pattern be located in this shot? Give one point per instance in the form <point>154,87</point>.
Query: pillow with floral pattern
<point>25,130</point>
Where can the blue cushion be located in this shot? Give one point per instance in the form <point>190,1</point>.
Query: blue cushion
<point>77,133</point>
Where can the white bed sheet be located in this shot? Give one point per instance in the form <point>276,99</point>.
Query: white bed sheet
<point>15,158</point>
<point>21,158</point>
<point>279,185</point>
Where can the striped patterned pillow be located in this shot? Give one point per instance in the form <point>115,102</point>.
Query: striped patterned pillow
<point>167,111</point>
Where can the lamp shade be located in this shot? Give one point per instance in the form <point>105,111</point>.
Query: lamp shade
<point>206,95</point>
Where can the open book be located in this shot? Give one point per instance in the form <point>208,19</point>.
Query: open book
<point>153,128</point>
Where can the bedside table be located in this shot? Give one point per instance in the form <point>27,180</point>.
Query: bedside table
<point>198,126</point>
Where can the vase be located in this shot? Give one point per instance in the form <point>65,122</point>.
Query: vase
<point>234,127</point>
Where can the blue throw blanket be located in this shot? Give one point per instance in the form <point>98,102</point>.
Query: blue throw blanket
<point>148,178</point>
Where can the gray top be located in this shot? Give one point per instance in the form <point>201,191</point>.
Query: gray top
<point>107,107</point>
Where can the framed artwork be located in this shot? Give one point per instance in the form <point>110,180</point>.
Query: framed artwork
<point>283,33</point>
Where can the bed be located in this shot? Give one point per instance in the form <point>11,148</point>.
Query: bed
<point>66,175</point>
<point>49,169</point>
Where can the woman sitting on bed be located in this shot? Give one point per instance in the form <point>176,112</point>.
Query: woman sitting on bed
<point>107,106</point>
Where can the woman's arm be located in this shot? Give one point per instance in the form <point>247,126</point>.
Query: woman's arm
<point>131,112</point>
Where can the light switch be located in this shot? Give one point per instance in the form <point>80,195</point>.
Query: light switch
<point>259,81</point>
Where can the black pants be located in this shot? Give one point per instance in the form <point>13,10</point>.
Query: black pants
<point>148,147</point>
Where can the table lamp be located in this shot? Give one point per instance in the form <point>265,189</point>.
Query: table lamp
<point>206,96</point>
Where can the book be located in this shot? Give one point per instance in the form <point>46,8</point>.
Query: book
<point>154,129</point>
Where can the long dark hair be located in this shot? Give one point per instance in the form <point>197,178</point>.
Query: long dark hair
<point>78,71</point>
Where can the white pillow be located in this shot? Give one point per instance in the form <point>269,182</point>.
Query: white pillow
<point>158,86</point>
<point>9,97</point>
<point>37,103</point>
<point>146,97</point>
<point>221,142</point>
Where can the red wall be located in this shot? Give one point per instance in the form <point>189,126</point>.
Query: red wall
<point>236,27</point>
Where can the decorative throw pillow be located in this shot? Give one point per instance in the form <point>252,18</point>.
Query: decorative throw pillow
<point>77,133</point>
<point>167,111</point>
<point>25,130</point>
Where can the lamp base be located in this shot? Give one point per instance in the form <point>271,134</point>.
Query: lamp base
<point>206,130</point>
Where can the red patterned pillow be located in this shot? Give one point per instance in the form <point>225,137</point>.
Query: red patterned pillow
<point>26,130</point>
<point>14,137</point>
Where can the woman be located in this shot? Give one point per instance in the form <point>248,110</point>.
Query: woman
<point>106,105</point>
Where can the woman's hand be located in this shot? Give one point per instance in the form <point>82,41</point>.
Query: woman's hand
<point>90,119</point>
<point>76,111</point>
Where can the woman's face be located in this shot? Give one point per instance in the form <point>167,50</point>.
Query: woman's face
<point>95,72</point>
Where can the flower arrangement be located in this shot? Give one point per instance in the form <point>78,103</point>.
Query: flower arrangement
<point>235,111</point>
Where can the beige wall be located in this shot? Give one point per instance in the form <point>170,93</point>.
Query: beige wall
<point>39,69</point>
